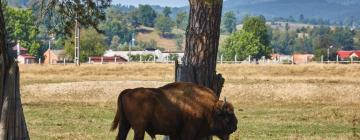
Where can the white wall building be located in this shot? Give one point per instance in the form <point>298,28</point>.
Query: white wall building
<point>161,56</point>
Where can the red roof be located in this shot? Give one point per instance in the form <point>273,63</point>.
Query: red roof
<point>344,54</point>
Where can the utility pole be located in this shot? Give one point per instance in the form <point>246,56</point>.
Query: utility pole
<point>328,54</point>
<point>51,37</point>
<point>131,44</point>
<point>77,42</point>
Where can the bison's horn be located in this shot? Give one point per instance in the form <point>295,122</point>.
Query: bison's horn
<point>223,105</point>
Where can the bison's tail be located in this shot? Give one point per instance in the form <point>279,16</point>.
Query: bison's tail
<point>119,112</point>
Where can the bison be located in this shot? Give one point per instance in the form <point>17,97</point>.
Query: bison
<point>183,111</point>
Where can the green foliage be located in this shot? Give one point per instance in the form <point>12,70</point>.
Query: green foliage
<point>343,37</point>
<point>115,42</point>
<point>315,40</point>
<point>164,24</point>
<point>229,22</point>
<point>34,49</point>
<point>242,44</point>
<point>182,20</point>
<point>167,11</point>
<point>179,42</point>
<point>146,15</point>
<point>20,25</point>
<point>91,44</point>
<point>117,28</point>
<point>173,57</point>
<point>63,13</point>
<point>257,26</point>
<point>144,57</point>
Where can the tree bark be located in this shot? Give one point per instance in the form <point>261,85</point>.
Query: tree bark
<point>202,41</point>
<point>12,119</point>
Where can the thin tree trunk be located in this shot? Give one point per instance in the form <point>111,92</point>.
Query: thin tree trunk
<point>12,120</point>
<point>202,41</point>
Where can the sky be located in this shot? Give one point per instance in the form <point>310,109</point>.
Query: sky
<point>171,3</point>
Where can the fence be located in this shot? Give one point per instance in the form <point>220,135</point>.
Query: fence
<point>249,60</point>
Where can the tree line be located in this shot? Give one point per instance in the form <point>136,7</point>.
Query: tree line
<point>258,39</point>
<point>121,24</point>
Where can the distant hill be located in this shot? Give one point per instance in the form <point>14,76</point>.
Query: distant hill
<point>335,10</point>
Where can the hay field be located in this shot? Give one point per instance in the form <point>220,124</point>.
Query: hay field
<point>272,101</point>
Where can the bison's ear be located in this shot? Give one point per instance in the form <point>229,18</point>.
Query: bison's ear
<point>219,107</point>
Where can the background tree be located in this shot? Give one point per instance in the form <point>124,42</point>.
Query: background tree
<point>182,20</point>
<point>257,26</point>
<point>115,42</point>
<point>117,27</point>
<point>167,11</point>
<point>229,22</point>
<point>146,15</point>
<point>179,42</point>
<point>92,44</point>
<point>12,120</point>
<point>242,44</point>
<point>163,24</point>
<point>202,41</point>
<point>20,26</point>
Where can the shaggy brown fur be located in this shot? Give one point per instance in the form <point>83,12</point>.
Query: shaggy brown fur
<point>184,111</point>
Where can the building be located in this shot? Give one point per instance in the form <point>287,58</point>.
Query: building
<point>56,57</point>
<point>343,55</point>
<point>26,59</point>
<point>22,55</point>
<point>281,58</point>
<point>161,56</point>
<point>295,58</point>
<point>303,58</point>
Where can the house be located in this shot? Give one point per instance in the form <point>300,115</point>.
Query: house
<point>55,57</point>
<point>22,55</point>
<point>26,59</point>
<point>348,54</point>
<point>296,58</point>
<point>344,54</point>
<point>302,58</point>
<point>281,57</point>
<point>161,56</point>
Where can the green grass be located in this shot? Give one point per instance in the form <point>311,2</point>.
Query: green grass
<point>271,101</point>
<point>286,121</point>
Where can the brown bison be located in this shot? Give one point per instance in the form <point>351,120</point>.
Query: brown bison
<point>183,111</point>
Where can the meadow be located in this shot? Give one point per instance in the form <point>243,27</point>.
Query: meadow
<point>272,101</point>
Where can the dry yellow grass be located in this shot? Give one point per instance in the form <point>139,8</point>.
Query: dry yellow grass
<point>246,82</point>
<point>272,101</point>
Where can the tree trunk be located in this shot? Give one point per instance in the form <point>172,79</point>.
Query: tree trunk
<point>202,41</point>
<point>12,120</point>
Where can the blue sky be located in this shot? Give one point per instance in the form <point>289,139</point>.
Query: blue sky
<point>171,3</point>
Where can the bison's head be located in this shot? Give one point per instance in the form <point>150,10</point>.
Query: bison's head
<point>225,121</point>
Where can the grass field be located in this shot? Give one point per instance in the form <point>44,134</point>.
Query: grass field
<point>272,101</point>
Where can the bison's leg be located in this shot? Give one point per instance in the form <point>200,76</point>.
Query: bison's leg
<point>174,137</point>
<point>123,130</point>
<point>139,134</point>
